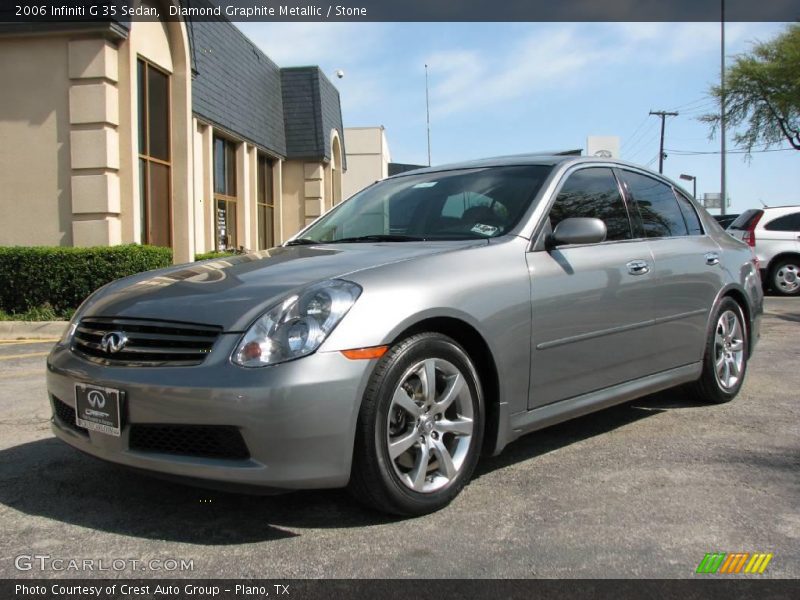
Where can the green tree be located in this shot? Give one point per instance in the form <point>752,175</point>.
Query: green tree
<point>762,94</point>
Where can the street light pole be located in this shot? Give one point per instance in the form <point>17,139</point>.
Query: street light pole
<point>693,179</point>
<point>722,115</point>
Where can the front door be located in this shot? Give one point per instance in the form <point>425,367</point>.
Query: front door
<point>592,304</point>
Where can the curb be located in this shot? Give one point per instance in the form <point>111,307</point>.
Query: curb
<point>32,330</point>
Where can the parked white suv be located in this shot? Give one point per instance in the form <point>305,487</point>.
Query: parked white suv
<point>774,234</point>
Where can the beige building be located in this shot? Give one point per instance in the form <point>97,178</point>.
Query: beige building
<point>179,134</point>
<point>368,158</point>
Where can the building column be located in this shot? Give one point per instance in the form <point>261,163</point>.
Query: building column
<point>209,211</point>
<point>94,143</point>
<point>313,190</point>
<point>277,196</point>
<point>253,198</point>
<point>244,213</point>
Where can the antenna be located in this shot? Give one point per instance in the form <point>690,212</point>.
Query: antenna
<point>428,114</point>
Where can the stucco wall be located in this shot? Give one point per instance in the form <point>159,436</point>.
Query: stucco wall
<point>293,197</point>
<point>367,158</point>
<point>35,151</point>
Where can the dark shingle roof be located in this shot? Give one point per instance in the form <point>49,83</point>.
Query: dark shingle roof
<point>236,86</point>
<point>311,112</point>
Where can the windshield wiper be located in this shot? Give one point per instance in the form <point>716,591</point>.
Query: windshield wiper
<point>302,242</point>
<point>384,237</point>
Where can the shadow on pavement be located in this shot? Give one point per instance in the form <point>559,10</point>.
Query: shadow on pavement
<point>49,479</point>
<point>569,432</point>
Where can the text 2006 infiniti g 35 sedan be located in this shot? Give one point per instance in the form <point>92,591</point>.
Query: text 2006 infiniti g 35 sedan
<point>433,316</point>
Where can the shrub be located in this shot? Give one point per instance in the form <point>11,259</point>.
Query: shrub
<point>214,254</point>
<point>61,278</point>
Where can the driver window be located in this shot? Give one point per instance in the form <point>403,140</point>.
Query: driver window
<point>593,193</point>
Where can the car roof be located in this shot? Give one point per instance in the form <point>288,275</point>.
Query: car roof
<point>549,159</point>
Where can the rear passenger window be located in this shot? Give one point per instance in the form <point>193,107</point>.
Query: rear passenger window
<point>593,193</point>
<point>658,207</point>
<point>785,223</point>
<point>689,215</point>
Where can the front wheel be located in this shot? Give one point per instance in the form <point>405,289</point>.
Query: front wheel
<point>420,427</point>
<point>725,359</point>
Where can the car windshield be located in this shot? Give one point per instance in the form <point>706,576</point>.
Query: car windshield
<point>446,205</point>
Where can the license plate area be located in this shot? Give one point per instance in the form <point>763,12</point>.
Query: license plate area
<point>98,408</point>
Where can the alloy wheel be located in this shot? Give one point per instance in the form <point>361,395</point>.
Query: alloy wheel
<point>787,278</point>
<point>729,350</point>
<point>430,425</point>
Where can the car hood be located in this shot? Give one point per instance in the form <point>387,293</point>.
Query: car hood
<point>232,292</point>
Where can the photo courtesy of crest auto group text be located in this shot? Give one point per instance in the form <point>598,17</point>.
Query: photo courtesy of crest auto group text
<point>441,299</point>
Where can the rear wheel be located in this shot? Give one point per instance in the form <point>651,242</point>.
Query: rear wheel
<point>785,277</point>
<point>420,427</point>
<point>725,360</point>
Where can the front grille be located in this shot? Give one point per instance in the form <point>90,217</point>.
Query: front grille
<point>149,343</point>
<point>207,441</point>
<point>66,414</point>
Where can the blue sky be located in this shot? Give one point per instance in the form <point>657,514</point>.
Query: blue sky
<point>505,88</point>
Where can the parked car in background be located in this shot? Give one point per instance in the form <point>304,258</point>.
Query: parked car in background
<point>433,316</point>
<point>774,234</point>
<point>725,220</point>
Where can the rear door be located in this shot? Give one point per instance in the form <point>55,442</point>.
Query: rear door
<point>687,265</point>
<point>592,304</point>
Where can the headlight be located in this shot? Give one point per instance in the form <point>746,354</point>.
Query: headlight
<point>66,338</point>
<point>297,326</point>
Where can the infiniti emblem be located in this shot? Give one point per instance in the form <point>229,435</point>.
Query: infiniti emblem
<point>96,399</point>
<point>113,342</point>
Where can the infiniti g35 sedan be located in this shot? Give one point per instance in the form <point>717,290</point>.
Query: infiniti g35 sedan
<point>434,316</point>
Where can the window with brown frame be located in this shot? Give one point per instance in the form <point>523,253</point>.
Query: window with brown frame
<point>225,194</point>
<point>155,166</point>
<point>265,204</point>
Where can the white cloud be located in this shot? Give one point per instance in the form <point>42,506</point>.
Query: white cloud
<point>563,55</point>
<point>296,44</point>
<point>469,79</point>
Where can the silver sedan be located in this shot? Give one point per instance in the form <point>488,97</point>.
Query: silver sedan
<point>433,316</point>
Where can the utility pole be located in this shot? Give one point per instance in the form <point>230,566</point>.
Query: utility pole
<point>663,114</point>
<point>722,115</point>
<point>428,114</point>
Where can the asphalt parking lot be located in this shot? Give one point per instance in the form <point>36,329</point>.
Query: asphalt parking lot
<point>644,489</point>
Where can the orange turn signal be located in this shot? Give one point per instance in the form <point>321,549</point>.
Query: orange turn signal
<point>365,353</point>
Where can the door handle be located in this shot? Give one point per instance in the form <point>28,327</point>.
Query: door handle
<point>712,258</point>
<point>638,267</point>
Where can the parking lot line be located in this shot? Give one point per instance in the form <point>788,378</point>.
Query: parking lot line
<point>20,342</point>
<point>21,373</point>
<point>29,355</point>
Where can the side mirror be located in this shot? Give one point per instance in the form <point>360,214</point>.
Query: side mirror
<point>578,230</point>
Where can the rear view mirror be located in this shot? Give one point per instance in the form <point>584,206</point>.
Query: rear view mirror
<point>578,230</point>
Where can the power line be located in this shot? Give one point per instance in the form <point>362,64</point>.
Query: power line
<point>735,151</point>
<point>635,131</point>
<point>693,104</point>
<point>647,135</point>
<point>635,141</point>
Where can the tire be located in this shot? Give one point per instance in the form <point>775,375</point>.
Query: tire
<point>435,438</point>
<point>784,277</point>
<point>725,357</point>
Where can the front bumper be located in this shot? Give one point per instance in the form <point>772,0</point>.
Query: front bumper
<point>297,419</point>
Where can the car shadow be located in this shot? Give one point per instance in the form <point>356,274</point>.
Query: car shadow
<point>591,425</point>
<point>47,478</point>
